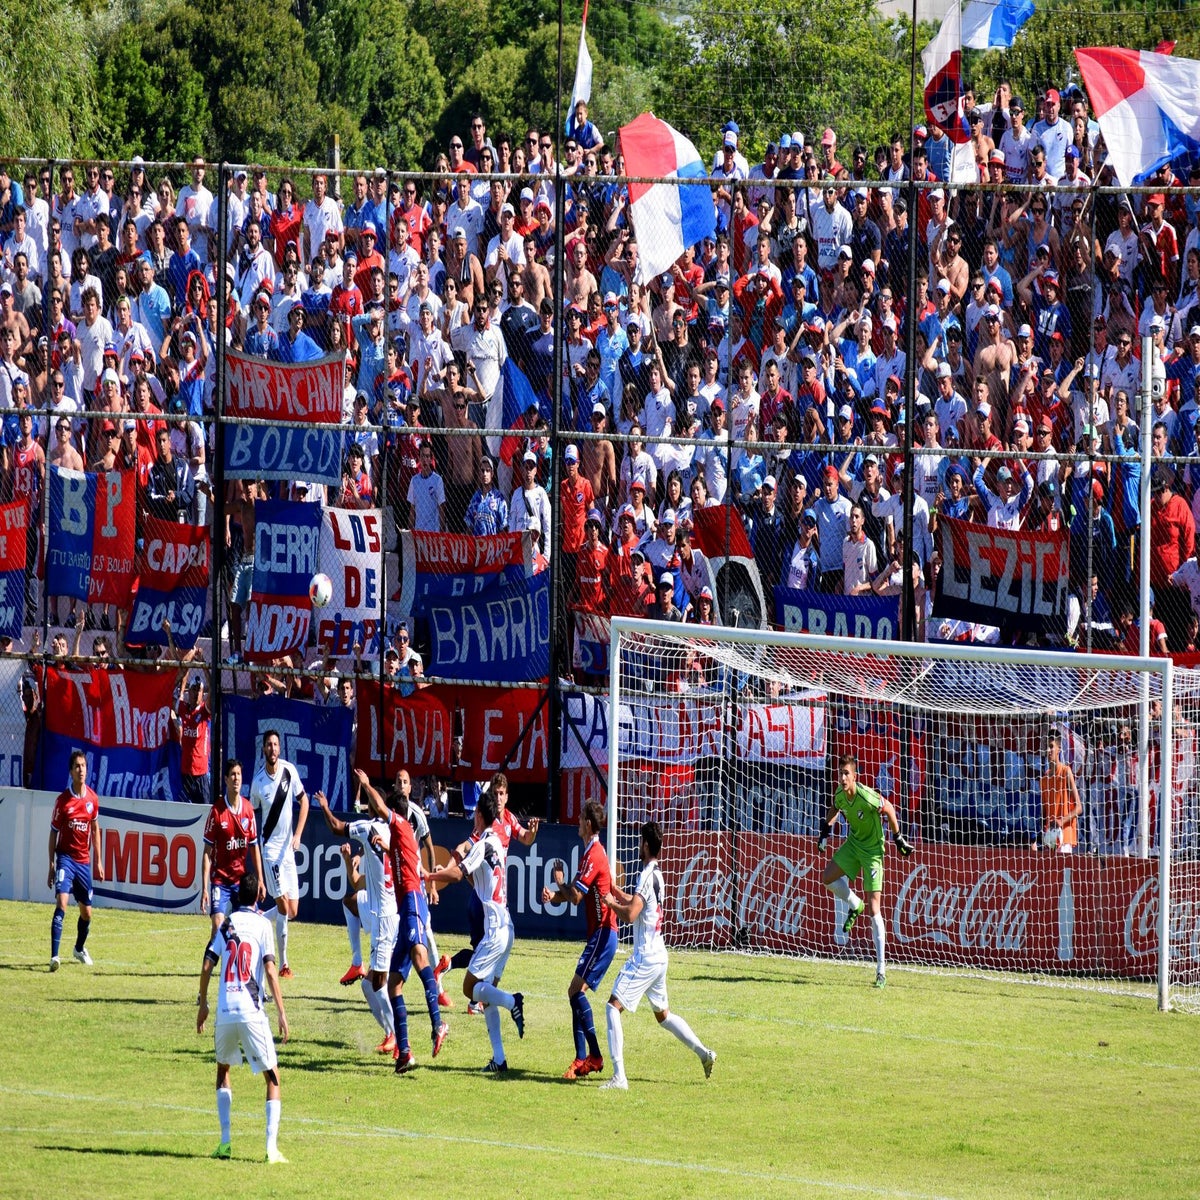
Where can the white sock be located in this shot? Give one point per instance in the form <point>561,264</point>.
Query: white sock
<point>491,1018</point>
<point>281,924</point>
<point>273,1125</point>
<point>616,1040</point>
<point>224,1108</point>
<point>488,993</point>
<point>431,946</point>
<point>683,1031</point>
<point>840,887</point>
<point>383,1000</point>
<point>879,933</point>
<point>372,998</point>
<point>354,933</point>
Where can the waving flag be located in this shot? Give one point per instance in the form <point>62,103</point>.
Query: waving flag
<point>993,24</point>
<point>942,60</point>
<point>668,218</point>
<point>583,70</point>
<point>1148,106</point>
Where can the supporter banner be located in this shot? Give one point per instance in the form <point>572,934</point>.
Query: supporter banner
<point>411,732</point>
<point>1004,577</point>
<point>505,729</point>
<point>286,537</point>
<point>14,770</point>
<point>14,519</point>
<point>592,633</point>
<point>120,719</point>
<point>310,392</point>
<point>1013,909</point>
<point>804,611</point>
<point>172,584</point>
<point>734,579</point>
<point>502,636</point>
<point>351,546</point>
<point>316,738</point>
<point>90,552</point>
<point>441,566</point>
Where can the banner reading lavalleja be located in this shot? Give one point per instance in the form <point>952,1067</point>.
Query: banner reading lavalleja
<point>1010,577</point>
<point>14,518</point>
<point>413,733</point>
<point>311,393</point>
<point>121,720</point>
<point>351,547</point>
<point>90,553</point>
<point>804,611</point>
<point>286,537</point>
<point>172,584</point>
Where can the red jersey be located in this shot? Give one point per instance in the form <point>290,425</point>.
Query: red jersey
<point>575,500</point>
<point>591,574</point>
<point>26,479</point>
<point>506,827</point>
<point>195,737</point>
<point>403,853</point>
<point>72,821</point>
<point>347,302</point>
<point>230,832</point>
<point>418,222</point>
<point>595,881</point>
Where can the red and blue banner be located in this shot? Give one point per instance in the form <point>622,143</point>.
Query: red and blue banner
<point>14,521</point>
<point>804,611</point>
<point>443,566</point>
<point>172,584</point>
<point>502,636</point>
<point>316,737</point>
<point>414,733</point>
<point>311,394</point>
<point>351,548</point>
<point>93,523</point>
<point>287,535</point>
<point>121,721</point>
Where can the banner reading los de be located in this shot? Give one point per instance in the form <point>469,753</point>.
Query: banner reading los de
<point>309,393</point>
<point>351,548</point>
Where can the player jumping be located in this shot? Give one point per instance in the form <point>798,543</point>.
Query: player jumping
<point>861,851</point>
<point>645,971</point>
<point>592,882</point>
<point>74,858</point>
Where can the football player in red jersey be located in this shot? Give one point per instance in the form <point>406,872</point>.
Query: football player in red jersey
<point>230,838</point>
<point>74,857</point>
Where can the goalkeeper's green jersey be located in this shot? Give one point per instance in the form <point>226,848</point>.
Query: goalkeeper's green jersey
<point>864,815</point>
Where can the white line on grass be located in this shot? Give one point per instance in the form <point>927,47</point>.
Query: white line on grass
<point>325,1128</point>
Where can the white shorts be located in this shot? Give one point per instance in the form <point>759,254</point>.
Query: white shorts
<point>383,940</point>
<point>250,1035</point>
<point>491,955</point>
<point>637,979</point>
<point>282,879</point>
<point>366,918</point>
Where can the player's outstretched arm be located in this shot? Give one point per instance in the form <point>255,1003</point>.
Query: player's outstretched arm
<point>451,873</point>
<point>526,836</point>
<point>562,892</point>
<point>626,907</point>
<point>277,996</point>
<point>336,825</point>
<point>374,799</point>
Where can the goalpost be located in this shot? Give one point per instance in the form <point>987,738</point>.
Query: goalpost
<point>730,739</point>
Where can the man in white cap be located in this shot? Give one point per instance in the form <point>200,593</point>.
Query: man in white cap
<point>663,607</point>
<point>529,508</point>
<point>506,249</point>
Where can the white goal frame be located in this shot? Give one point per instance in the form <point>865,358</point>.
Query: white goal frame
<point>930,652</point>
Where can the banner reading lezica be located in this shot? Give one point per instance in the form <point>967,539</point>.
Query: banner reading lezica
<point>314,737</point>
<point>437,566</point>
<point>1014,578</point>
<point>502,636</point>
<point>172,584</point>
<point>416,733</point>
<point>310,393</point>
<point>804,611</point>
<point>351,544</point>
<point>90,554</point>
<point>121,720</point>
<point>286,537</point>
<point>14,518</point>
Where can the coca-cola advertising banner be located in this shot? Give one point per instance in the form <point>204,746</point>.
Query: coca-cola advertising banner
<point>1012,909</point>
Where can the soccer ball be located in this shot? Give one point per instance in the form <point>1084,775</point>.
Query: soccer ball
<point>320,590</point>
<point>1052,838</point>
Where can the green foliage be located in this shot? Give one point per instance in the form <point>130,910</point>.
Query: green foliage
<point>457,31</point>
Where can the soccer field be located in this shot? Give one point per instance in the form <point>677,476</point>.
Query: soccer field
<point>938,1086</point>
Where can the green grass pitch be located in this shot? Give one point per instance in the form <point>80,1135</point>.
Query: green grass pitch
<point>938,1086</point>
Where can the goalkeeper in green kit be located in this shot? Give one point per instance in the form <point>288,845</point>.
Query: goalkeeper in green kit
<point>864,810</point>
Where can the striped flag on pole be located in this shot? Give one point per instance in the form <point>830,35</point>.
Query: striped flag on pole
<point>583,69</point>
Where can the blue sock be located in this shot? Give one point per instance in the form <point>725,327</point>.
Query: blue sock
<point>56,925</point>
<point>429,981</point>
<point>81,933</point>
<point>587,1026</point>
<point>577,1032</point>
<point>400,1020</point>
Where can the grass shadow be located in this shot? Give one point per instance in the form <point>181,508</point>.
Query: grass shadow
<point>121,1151</point>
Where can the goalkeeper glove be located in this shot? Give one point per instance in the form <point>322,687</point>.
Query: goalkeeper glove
<point>823,837</point>
<point>902,844</point>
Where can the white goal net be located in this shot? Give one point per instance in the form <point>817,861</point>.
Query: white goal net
<point>730,739</point>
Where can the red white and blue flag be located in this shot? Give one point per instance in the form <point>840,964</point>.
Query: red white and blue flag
<point>942,60</point>
<point>172,584</point>
<point>14,518</point>
<point>93,519</point>
<point>668,218</point>
<point>1148,106</point>
<point>993,24</point>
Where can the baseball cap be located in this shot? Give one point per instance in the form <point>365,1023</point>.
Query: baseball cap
<point>984,409</point>
<point>1072,151</point>
<point>1097,489</point>
<point>668,517</point>
<point>1156,198</point>
<point>937,194</point>
<point>666,579</point>
<point>1020,425</point>
<point>828,138</point>
<point>1194,331</point>
<point>706,593</point>
<point>889,322</point>
<point>770,484</point>
<point>871,458</point>
<point>944,286</point>
<point>527,194</point>
<point>1024,332</point>
<point>879,409</point>
<point>638,484</point>
<point>846,413</point>
<point>845,252</point>
<point>507,208</point>
<point>598,410</point>
<point>1053,96</point>
<point>571,454</point>
<point>731,140</point>
<point>594,515</point>
<point>459,232</point>
<point>529,457</point>
<point>945,371</point>
<point>829,472</point>
<point>785,141</point>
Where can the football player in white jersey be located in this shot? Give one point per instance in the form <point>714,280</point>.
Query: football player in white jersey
<point>275,789</point>
<point>485,865</point>
<point>645,970</point>
<point>375,904</point>
<point>244,949</point>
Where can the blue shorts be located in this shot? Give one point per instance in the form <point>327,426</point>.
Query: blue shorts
<point>414,929</point>
<point>222,898</point>
<point>73,877</point>
<point>475,918</point>
<point>596,957</point>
